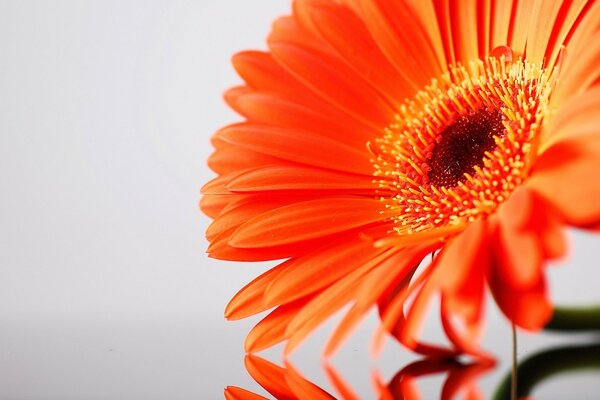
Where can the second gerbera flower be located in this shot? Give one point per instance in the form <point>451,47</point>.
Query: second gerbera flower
<point>378,132</point>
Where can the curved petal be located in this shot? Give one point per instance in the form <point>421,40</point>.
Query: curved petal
<point>328,302</point>
<point>516,248</point>
<point>271,109</point>
<point>400,35</point>
<point>270,376</point>
<point>348,35</point>
<point>249,300</point>
<point>323,266</point>
<point>264,75</point>
<point>307,220</point>
<point>339,384</point>
<point>303,388</point>
<point>580,64</point>
<point>562,178</point>
<point>231,159</point>
<point>275,178</point>
<point>567,22</point>
<point>245,207</point>
<point>284,143</point>
<point>577,117</point>
<point>221,248</point>
<point>271,329</point>
<point>335,82</point>
<point>538,35</point>
<point>522,300</point>
<point>520,24</point>
<point>391,272</point>
<point>236,393</point>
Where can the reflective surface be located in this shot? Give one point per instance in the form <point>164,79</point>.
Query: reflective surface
<point>105,291</point>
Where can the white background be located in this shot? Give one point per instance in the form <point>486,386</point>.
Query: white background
<point>106,110</point>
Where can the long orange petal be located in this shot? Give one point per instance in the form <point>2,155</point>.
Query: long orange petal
<point>322,267</point>
<point>307,220</point>
<point>303,388</point>
<point>400,35</point>
<point>336,82</point>
<point>284,143</point>
<point>236,393</point>
<point>328,302</point>
<point>282,177</point>
<point>527,306</point>
<point>350,38</point>
<point>539,34</point>
<point>268,108</point>
<point>263,74</point>
<point>271,329</point>
<point>394,271</point>
<point>249,300</point>
<point>339,384</point>
<point>517,248</point>
<point>270,376</point>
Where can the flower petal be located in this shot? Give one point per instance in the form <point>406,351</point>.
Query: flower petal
<point>282,177</point>
<point>270,109</point>
<point>528,308</point>
<point>517,249</point>
<point>270,376</point>
<point>335,82</point>
<point>322,267</point>
<point>303,388</point>
<point>271,329</point>
<point>520,25</point>
<point>519,289</point>
<point>339,384</point>
<point>572,118</point>
<point>284,143</point>
<point>249,300</point>
<point>306,220</point>
<point>230,158</point>
<point>213,205</point>
<point>538,36</point>
<point>328,302</point>
<point>304,275</point>
<point>464,30</point>
<point>246,207</point>
<point>562,177</point>
<point>348,35</point>
<point>400,35</point>
<point>501,17</point>
<point>221,248</point>
<point>580,67</point>
<point>391,272</point>
<point>236,393</point>
<point>567,22</point>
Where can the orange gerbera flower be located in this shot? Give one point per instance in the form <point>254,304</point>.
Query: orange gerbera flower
<point>378,132</point>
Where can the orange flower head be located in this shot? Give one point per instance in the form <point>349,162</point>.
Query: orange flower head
<point>458,150</point>
<point>378,132</point>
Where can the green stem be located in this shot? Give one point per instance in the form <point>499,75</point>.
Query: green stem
<point>575,319</point>
<point>541,366</point>
<point>513,386</point>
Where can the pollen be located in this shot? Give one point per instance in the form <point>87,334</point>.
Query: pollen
<point>459,148</point>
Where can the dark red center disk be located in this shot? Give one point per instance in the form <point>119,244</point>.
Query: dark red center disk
<point>462,146</point>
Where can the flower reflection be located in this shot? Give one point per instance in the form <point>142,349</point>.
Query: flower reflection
<point>547,364</point>
<point>286,383</point>
<point>461,379</point>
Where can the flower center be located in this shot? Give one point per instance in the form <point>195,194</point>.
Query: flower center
<point>462,145</point>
